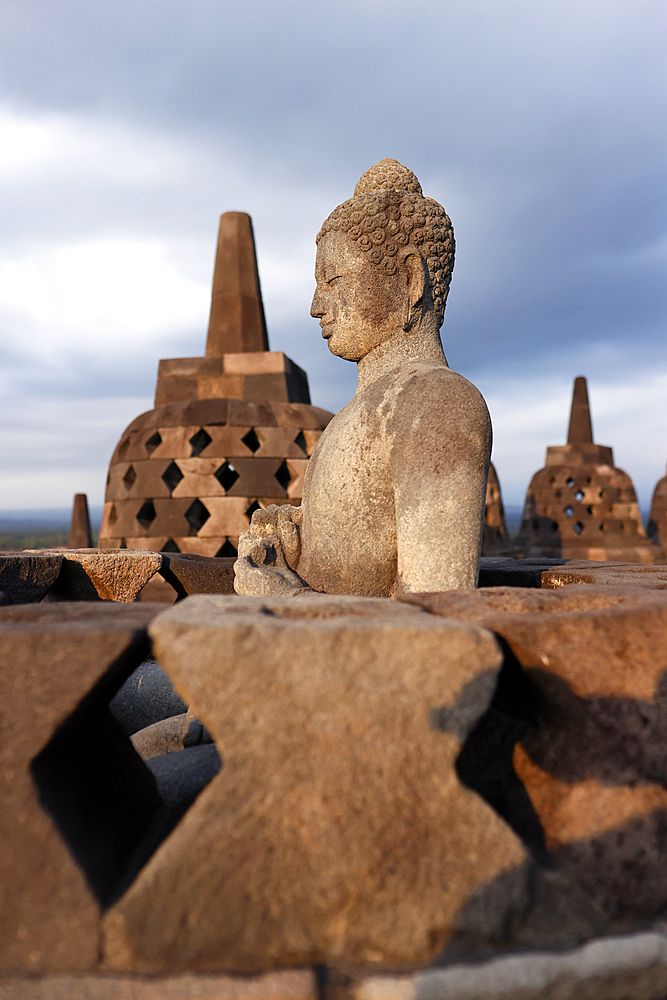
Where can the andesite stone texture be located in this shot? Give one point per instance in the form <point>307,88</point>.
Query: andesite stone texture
<point>89,575</point>
<point>579,505</point>
<point>583,693</point>
<point>657,525</point>
<point>337,829</point>
<point>614,574</point>
<point>292,984</point>
<point>495,537</point>
<point>80,535</point>
<point>394,494</point>
<point>633,967</point>
<point>71,784</point>
<point>231,432</point>
<point>27,578</point>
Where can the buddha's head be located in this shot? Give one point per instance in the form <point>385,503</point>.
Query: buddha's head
<point>384,260</point>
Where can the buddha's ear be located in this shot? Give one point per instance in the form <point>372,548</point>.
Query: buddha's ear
<point>416,277</point>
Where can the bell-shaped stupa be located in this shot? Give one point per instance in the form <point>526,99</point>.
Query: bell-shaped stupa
<point>657,525</point>
<point>230,432</point>
<point>579,506</point>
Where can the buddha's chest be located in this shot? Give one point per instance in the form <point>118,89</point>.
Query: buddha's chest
<point>351,465</point>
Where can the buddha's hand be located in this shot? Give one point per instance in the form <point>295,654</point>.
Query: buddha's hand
<point>269,552</point>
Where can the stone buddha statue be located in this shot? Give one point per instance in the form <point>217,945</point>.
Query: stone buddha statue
<point>393,497</point>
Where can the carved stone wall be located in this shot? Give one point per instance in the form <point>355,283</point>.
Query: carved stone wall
<point>231,431</point>
<point>579,505</point>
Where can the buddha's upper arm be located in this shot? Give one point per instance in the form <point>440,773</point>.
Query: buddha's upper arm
<point>439,463</point>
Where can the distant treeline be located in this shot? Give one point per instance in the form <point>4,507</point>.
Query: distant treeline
<point>36,539</point>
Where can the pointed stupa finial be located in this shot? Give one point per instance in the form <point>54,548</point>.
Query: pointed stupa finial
<point>237,324</point>
<point>580,430</point>
<point>80,535</point>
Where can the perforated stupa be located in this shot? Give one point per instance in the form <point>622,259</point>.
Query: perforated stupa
<point>579,505</point>
<point>230,432</point>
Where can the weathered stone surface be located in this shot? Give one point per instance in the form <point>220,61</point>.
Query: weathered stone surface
<point>612,574</point>
<point>296,984</point>
<point>193,574</point>
<point>112,575</point>
<point>592,727</point>
<point>162,737</point>
<point>337,828</point>
<point>617,968</point>
<point>60,666</point>
<point>579,505</point>
<point>187,476</point>
<point>180,776</point>
<point>26,578</point>
<point>146,697</point>
<point>495,538</point>
<point>80,535</point>
<point>394,494</point>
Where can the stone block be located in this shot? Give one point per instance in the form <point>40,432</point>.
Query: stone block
<point>337,829</point>
<point>26,579</point>
<point>200,545</point>
<point>198,478</point>
<point>294,984</point>
<point>223,386</point>
<point>228,516</point>
<point>247,413</point>
<point>613,574</point>
<point>298,415</point>
<point>228,441</point>
<point>195,574</point>
<point>279,442</point>
<point>590,731</point>
<point>76,799</point>
<point>108,575</point>
<point>119,520</point>
<point>257,477</point>
<point>297,470</point>
<point>175,389</point>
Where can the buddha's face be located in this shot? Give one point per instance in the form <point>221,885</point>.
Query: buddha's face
<point>357,305</point>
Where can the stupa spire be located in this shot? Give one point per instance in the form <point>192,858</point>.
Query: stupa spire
<point>580,430</point>
<point>237,324</point>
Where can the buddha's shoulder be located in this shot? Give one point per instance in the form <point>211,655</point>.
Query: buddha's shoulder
<point>425,386</point>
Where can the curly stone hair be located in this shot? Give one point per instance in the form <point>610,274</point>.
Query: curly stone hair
<point>389,212</point>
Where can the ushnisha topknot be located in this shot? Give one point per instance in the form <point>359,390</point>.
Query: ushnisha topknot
<point>389,212</point>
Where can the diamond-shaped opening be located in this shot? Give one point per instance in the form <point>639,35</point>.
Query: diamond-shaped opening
<point>283,476</point>
<point>251,440</point>
<point>251,510</point>
<point>569,482</point>
<point>113,515</point>
<point>578,527</point>
<point>112,804</point>
<point>227,550</point>
<point>579,496</point>
<point>154,441</point>
<point>172,476</point>
<point>170,546</point>
<point>146,514</point>
<point>199,441</point>
<point>122,448</point>
<point>568,511</point>
<point>302,443</point>
<point>226,475</point>
<point>196,515</point>
<point>130,478</point>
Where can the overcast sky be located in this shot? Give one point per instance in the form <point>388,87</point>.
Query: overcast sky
<point>126,128</point>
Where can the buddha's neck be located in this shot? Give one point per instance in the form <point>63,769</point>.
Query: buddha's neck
<point>422,345</point>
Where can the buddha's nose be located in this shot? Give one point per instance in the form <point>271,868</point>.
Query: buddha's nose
<point>317,310</point>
